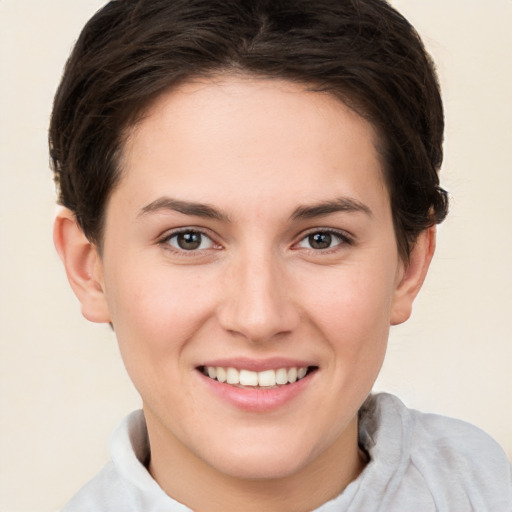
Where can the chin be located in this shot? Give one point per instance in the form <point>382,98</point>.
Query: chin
<point>261,466</point>
<point>262,459</point>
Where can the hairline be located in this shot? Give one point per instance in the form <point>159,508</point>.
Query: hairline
<point>220,75</point>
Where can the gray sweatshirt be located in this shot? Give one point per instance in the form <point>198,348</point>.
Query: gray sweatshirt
<point>418,462</point>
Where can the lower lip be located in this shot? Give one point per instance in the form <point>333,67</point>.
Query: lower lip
<point>258,399</point>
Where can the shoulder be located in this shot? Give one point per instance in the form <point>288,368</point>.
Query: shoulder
<point>437,434</point>
<point>461,446</point>
<point>456,461</point>
<point>105,492</point>
<point>125,484</point>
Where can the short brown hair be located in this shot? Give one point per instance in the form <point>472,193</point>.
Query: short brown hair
<point>361,51</point>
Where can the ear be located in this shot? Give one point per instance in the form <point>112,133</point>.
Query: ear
<point>412,275</point>
<point>83,266</point>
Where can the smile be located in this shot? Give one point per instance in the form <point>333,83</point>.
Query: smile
<point>264,379</point>
<point>258,386</point>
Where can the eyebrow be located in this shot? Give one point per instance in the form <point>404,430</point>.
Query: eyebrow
<point>186,207</point>
<point>341,204</point>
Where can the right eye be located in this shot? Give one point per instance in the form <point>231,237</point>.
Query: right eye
<point>323,240</point>
<point>189,241</point>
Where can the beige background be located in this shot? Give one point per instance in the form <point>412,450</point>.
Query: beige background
<point>63,387</point>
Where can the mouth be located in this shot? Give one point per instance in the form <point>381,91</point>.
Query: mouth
<point>266,379</point>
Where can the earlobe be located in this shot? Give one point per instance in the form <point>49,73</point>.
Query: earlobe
<point>83,266</point>
<point>412,276</point>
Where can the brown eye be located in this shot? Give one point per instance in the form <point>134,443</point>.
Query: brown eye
<point>320,240</point>
<point>190,241</point>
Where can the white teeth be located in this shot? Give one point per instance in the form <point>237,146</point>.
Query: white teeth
<point>221,374</point>
<point>266,378</point>
<point>248,378</point>
<point>232,376</point>
<point>282,376</point>
<point>292,374</point>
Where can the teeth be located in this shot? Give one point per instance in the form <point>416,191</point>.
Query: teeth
<point>267,378</point>
<point>282,376</point>
<point>221,374</point>
<point>232,376</point>
<point>301,372</point>
<point>248,378</point>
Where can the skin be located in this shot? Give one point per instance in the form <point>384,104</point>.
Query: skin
<point>258,153</point>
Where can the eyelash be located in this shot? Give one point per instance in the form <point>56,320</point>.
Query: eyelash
<point>344,239</point>
<point>166,241</point>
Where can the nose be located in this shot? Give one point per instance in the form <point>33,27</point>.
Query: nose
<point>258,305</point>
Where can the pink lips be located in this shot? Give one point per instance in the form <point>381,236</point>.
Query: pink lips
<point>257,399</point>
<point>256,365</point>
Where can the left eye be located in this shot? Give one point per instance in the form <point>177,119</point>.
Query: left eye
<point>190,241</point>
<point>321,240</point>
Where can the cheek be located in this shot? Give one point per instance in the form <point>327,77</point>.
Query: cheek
<point>353,310</point>
<point>155,312</point>
<point>155,316</point>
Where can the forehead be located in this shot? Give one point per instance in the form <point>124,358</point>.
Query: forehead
<point>254,138</point>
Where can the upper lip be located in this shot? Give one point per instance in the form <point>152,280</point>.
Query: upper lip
<point>258,365</point>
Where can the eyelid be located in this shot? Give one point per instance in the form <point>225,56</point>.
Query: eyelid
<point>168,235</point>
<point>346,238</point>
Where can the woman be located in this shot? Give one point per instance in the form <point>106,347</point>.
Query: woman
<point>250,196</point>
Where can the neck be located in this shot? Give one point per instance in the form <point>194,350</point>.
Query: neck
<point>191,481</point>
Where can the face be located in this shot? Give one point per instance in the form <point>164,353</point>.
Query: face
<point>251,272</point>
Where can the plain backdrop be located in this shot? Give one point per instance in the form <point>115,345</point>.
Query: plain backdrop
<point>63,387</point>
